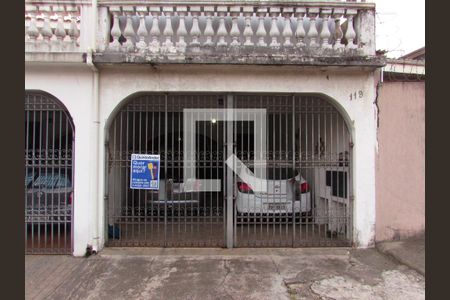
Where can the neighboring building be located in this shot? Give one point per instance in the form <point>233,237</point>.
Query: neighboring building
<point>108,79</point>
<point>418,54</point>
<point>401,148</point>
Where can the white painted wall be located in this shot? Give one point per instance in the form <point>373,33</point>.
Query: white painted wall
<point>73,86</point>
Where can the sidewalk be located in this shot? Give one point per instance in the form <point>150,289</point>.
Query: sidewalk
<point>410,252</point>
<point>187,273</point>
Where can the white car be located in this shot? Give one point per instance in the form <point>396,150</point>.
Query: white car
<point>282,189</point>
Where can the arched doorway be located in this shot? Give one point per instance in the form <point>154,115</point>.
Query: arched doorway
<point>49,142</point>
<point>303,141</point>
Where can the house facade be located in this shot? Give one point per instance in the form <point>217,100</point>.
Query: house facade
<point>191,90</point>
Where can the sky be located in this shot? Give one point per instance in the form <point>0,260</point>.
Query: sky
<point>400,26</point>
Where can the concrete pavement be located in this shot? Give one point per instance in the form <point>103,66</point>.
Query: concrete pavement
<point>410,252</point>
<point>158,273</point>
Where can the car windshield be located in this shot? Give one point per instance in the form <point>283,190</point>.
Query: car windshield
<point>278,173</point>
<point>28,179</point>
<point>50,181</point>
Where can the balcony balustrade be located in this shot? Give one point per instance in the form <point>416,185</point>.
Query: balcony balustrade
<point>52,27</point>
<point>204,31</point>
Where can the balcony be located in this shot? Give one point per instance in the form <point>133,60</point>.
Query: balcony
<point>206,32</point>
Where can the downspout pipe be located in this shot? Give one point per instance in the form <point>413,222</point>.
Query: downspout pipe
<point>96,132</point>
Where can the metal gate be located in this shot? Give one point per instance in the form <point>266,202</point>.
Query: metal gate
<point>307,198</point>
<point>305,148</point>
<point>49,133</point>
<point>177,214</point>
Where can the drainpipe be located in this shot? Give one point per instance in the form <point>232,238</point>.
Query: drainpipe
<point>96,120</point>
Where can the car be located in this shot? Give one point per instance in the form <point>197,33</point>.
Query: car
<point>171,198</point>
<point>287,192</point>
<point>49,195</point>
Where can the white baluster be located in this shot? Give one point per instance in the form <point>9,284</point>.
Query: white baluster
<point>115,30</point>
<point>168,30</point>
<point>209,30</point>
<point>46,30</point>
<point>142,30</point>
<point>32,30</point>
<point>300,31</point>
<point>312,32</point>
<point>181,32</point>
<point>40,25</point>
<point>222,31</point>
<point>248,31</point>
<point>338,30</point>
<point>195,30</point>
<point>60,32</point>
<point>76,30</point>
<point>128,32</point>
<point>325,32</point>
<point>274,31</point>
<point>27,24</point>
<point>78,26</point>
<point>234,32</point>
<point>261,31</point>
<point>154,31</point>
<point>72,29</point>
<point>53,40</point>
<point>287,30</point>
<point>350,33</point>
<point>67,25</point>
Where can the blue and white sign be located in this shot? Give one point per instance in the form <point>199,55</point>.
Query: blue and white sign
<point>144,171</point>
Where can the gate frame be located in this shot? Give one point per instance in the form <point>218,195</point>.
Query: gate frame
<point>230,98</point>
<point>72,123</point>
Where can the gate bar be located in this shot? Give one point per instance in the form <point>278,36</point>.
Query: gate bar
<point>229,172</point>
<point>295,171</point>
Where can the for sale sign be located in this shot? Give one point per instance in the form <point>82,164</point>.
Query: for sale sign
<point>144,171</point>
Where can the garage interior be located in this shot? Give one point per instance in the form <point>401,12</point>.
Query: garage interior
<point>307,154</point>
